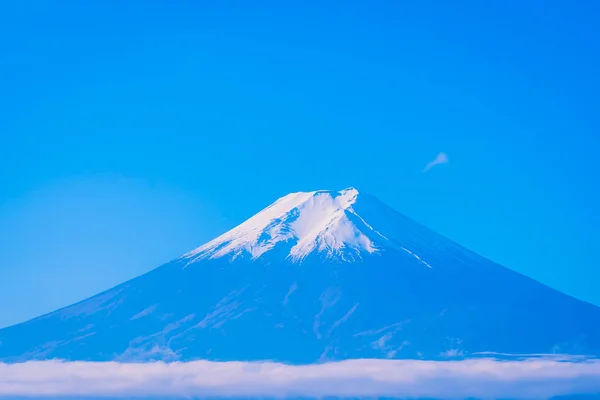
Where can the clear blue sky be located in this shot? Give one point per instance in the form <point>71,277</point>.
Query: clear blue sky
<point>135,131</point>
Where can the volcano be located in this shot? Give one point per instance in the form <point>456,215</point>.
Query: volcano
<point>316,276</point>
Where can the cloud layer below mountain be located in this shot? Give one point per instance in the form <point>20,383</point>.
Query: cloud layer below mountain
<point>533,378</point>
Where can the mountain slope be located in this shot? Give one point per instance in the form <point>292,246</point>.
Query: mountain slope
<point>316,276</point>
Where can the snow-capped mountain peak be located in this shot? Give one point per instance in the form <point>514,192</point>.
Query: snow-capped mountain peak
<point>317,276</point>
<point>300,223</point>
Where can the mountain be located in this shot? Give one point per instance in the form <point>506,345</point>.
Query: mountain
<point>316,276</point>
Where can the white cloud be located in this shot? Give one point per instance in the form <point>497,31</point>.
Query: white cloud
<point>538,378</point>
<point>441,158</point>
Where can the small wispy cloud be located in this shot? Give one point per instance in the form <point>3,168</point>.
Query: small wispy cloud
<point>441,158</point>
<point>538,378</point>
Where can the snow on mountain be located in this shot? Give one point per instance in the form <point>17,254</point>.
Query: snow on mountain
<point>323,275</point>
<point>322,221</point>
<point>333,224</point>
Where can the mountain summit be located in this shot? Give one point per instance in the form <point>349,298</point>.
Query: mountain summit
<point>305,222</point>
<point>331,224</point>
<point>323,275</point>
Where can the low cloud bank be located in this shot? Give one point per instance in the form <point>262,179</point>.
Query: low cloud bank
<point>538,378</point>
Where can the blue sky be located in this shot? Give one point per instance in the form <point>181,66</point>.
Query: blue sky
<point>133,132</point>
